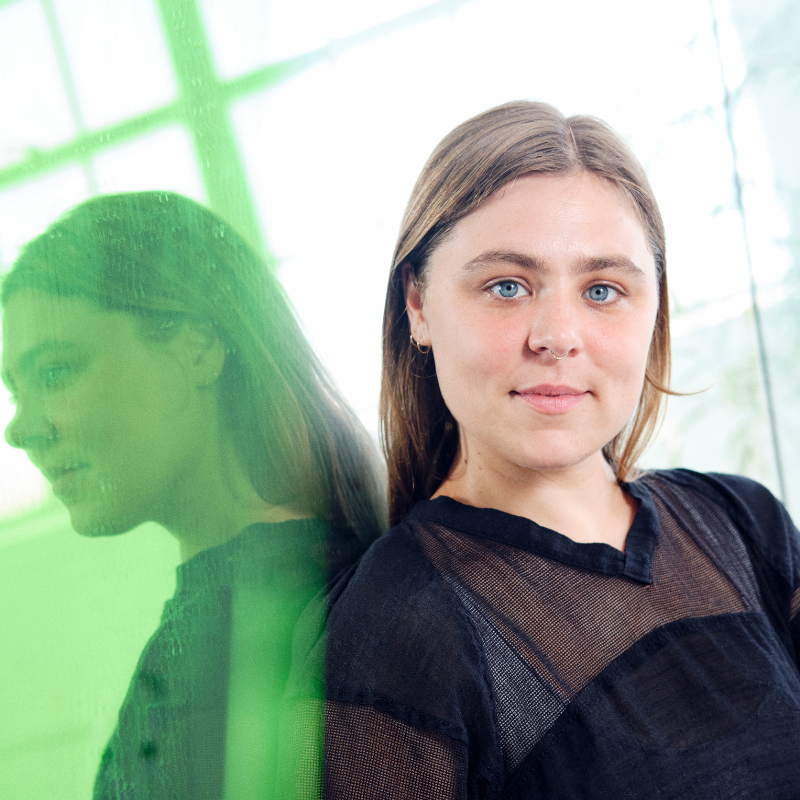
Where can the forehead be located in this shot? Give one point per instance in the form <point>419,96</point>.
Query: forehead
<point>34,320</point>
<point>553,217</point>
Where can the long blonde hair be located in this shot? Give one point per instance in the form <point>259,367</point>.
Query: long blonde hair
<point>468,166</point>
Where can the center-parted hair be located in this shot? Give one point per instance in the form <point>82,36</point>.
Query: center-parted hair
<point>167,260</point>
<point>468,166</point>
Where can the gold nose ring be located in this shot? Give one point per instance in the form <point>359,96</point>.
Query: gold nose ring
<point>557,358</point>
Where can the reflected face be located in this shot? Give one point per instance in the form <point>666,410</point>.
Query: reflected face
<point>105,415</point>
<point>549,266</point>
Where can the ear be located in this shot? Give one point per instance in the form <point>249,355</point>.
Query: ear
<point>417,321</point>
<point>201,351</point>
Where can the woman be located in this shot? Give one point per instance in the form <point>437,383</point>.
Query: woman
<point>544,620</point>
<point>160,375</point>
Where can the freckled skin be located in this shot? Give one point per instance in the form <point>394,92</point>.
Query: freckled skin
<point>579,281</point>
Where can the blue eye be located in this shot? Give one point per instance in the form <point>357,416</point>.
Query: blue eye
<point>509,289</point>
<point>600,293</point>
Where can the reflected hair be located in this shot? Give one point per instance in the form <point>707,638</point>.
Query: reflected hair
<point>479,157</point>
<point>168,260</point>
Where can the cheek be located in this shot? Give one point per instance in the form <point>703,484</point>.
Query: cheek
<point>106,423</point>
<point>471,363</point>
<point>467,343</point>
<point>623,353</point>
<point>81,417</point>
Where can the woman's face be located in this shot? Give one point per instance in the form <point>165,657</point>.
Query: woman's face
<point>549,265</point>
<point>111,420</point>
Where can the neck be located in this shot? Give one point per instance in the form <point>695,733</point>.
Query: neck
<point>216,501</point>
<point>583,501</point>
<point>198,534</point>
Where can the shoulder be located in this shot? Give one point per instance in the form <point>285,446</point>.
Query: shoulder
<point>398,615</point>
<point>755,511</point>
<point>740,496</point>
<point>392,635</point>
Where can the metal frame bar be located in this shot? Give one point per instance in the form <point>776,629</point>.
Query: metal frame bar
<point>763,358</point>
<point>205,113</point>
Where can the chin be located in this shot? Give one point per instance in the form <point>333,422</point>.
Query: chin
<point>94,523</point>
<point>556,457</point>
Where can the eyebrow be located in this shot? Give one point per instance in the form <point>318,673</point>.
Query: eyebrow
<point>584,266</point>
<point>29,357</point>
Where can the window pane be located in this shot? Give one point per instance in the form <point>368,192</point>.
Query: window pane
<point>21,484</point>
<point>245,35</point>
<point>77,613</point>
<point>332,156</point>
<point>28,208</point>
<point>117,56</point>
<point>162,160</point>
<point>35,109</point>
<point>769,33</point>
<point>25,211</point>
<point>333,216</point>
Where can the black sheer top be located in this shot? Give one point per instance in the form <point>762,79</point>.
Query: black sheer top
<point>475,654</point>
<point>234,605</point>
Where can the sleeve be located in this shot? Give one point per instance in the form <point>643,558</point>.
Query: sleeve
<point>390,696</point>
<point>773,538</point>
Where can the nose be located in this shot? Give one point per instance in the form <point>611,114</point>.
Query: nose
<point>555,327</point>
<point>30,430</point>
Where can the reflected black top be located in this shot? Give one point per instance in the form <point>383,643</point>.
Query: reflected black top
<point>173,724</point>
<point>475,654</point>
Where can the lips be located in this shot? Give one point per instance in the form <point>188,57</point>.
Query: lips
<point>55,473</point>
<point>550,399</point>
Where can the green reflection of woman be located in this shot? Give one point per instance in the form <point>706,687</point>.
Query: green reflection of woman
<point>159,375</point>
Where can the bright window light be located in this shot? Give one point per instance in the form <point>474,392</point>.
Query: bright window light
<point>36,113</point>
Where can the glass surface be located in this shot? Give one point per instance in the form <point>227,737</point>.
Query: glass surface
<point>78,612</point>
<point>26,209</point>
<point>245,35</point>
<point>165,160</point>
<point>22,484</point>
<point>330,158</point>
<point>36,113</point>
<point>117,57</point>
<point>768,34</point>
<point>361,129</point>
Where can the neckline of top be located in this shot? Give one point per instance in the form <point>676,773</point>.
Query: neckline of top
<point>255,552</point>
<point>519,532</point>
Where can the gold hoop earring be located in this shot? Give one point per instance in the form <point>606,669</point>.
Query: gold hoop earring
<point>419,346</point>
